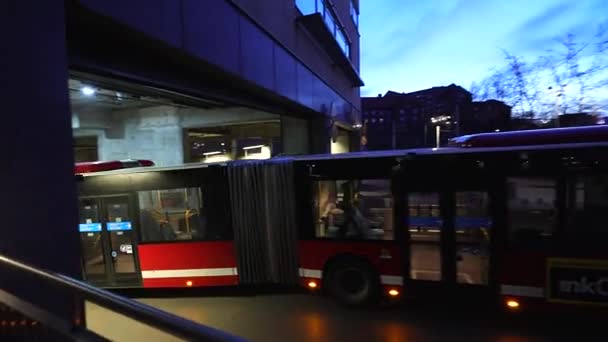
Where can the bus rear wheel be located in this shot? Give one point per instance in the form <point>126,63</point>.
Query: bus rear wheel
<point>352,283</point>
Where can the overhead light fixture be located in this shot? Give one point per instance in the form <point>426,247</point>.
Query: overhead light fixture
<point>252,147</point>
<point>88,91</point>
<point>212,153</point>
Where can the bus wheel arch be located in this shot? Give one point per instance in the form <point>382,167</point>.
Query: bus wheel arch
<point>351,279</point>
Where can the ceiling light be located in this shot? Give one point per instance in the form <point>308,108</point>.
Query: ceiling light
<point>88,91</point>
<point>252,147</point>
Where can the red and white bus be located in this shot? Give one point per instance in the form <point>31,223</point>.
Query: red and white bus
<point>492,215</point>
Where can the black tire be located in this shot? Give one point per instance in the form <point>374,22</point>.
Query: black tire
<point>352,283</point>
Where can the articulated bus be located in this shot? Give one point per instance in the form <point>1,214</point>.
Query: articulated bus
<point>517,217</point>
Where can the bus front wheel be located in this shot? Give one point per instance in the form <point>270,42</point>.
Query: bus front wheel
<point>352,282</point>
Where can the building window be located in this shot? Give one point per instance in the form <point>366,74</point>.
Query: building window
<point>233,142</point>
<point>308,7</point>
<point>175,215</point>
<point>353,209</point>
<point>354,13</point>
<point>85,149</point>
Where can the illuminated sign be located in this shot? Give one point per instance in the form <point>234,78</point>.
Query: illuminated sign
<point>89,227</point>
<point>114,226</point>
<point>128,249</point>
<point>578,281</point>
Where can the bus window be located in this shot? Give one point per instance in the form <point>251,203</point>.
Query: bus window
<point>170,215</point>
<point>425,232</point>
<point>473,225</point>
<point>587,208</point>
<point>353,209</point>
<point>532,211</point>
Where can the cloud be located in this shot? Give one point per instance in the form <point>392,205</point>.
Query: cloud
<point>412,45</point>
<point>547,19</point>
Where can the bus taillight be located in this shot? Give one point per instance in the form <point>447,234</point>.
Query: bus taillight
<point>512,304</point>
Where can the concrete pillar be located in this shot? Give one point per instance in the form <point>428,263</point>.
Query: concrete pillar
<point>295,135</point>
<point>38,209</point>
<point>320,135</point>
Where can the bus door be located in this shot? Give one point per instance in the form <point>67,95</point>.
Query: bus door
<point>472,224</point>
<point>107,240</point>
<point>448,238</point>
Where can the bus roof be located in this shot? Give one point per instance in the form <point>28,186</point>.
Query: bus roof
<point>548,136</point>
<point>363,155</point>
<point>99,166</point>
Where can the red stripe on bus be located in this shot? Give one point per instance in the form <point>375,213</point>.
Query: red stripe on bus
<point>195,282</point>
<point>186,255</point>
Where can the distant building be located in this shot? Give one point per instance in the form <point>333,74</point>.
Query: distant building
<point>521,124</point>
<point>577,119</point>
<point>408,120</point>
<point>564,120</point>
<point>486,116</point>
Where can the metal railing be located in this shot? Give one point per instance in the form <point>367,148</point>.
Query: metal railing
<point>150,316</point>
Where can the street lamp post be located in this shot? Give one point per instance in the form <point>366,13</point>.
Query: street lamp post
<point>437,121</point>
<point>438,135</point>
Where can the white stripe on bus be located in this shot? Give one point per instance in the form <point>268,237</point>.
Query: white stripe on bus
<point>185,273</point>
<point>308,273</point>
<point>318,274</point>
<point>391,280</point>
<point>524,291</point>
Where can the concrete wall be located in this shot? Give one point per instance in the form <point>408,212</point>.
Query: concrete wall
<point>217,32</point>
<point>195,117</point>
<point>150,133</point>
<point>156,133</point>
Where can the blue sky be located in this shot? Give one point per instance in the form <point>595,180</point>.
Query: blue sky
<point>407,45</point>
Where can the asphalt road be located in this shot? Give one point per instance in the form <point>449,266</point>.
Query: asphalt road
<point>302,317</point>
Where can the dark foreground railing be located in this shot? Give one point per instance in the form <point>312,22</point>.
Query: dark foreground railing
<point>155,318</point>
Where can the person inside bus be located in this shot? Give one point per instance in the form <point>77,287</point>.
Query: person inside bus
<point>196,223</point>
<point>356,225</point>
<point>150,228</point>
<point>332,220</point>
<point>367,228</point>
<point>155,228</point>
<point>166,231</point>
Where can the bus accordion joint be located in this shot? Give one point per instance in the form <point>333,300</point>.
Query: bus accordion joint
<point>99,166</point>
